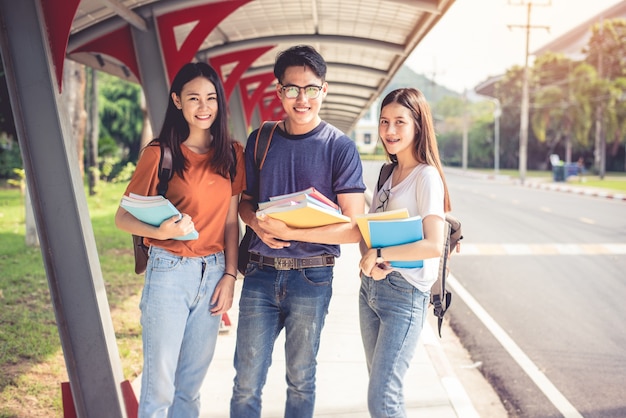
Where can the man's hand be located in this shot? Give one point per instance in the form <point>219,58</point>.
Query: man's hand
<point>272,232</point>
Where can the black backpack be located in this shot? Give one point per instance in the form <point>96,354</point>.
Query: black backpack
<point>440,297</point>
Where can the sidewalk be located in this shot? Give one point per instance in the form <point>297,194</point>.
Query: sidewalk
<point>431,388</point>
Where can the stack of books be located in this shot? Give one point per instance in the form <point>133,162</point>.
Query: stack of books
<point>153,210</point>
<point>304,209</point>
<point>386,229</point>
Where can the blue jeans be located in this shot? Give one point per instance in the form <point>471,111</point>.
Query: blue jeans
<point>179,333</point>
<point>271,300</point>
<point>392,314</point>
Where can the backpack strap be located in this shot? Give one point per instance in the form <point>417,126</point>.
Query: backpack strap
<point>165,169</point>
<point>233,168</point>
<point>385,172</point>
<point>261,146</point>
<point>440,298</point>
<point>263,139</point>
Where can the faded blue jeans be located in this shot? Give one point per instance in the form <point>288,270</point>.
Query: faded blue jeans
<point>392,313</point>
<point>271,300</point>
<point>179,333</point>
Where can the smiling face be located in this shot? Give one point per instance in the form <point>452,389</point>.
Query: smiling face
<point>198,102</point>
<point>302,112</point>
<point>396,128</point>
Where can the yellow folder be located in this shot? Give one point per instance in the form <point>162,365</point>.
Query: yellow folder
<point>304,214</point>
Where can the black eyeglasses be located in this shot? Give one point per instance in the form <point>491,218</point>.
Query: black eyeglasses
<point>383,199</point>
<point>291,91</point>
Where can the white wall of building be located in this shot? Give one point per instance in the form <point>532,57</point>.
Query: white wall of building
<point>365,134</point>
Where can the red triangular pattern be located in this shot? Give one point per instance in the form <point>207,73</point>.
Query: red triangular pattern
<point>208,17</point>
<point>271,107</point>
<point>244,60</point>
<point>59,17</point>
<point>249,101</point>
<point>117,44</point>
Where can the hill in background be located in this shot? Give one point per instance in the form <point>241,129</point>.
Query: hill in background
<point>405,77</point>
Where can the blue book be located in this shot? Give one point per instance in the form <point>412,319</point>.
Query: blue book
<point>387,233</point>
<point>153,210</point>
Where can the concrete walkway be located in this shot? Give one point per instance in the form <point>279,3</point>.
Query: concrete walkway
<point>431,388</point>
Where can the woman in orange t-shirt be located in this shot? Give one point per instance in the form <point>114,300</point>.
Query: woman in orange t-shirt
<point>189,284</point>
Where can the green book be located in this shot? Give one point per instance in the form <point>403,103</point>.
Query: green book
<point>153,210</point>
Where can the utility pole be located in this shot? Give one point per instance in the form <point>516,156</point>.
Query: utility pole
<point>599,153</point>
<point>523,129</point>
<point>433,83</point>
<point>465,140</point>
<point>497,112</point>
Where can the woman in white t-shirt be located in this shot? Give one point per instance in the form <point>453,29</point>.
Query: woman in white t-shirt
<point>393,302</point>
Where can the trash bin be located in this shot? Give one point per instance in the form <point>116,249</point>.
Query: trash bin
<point>558,172</point>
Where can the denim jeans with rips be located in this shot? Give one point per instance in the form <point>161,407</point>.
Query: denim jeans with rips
<point>296,300</point>
<point>392,314</point>
<point>179,333</point>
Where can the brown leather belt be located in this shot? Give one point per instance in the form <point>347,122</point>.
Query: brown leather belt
<point>282,263</point>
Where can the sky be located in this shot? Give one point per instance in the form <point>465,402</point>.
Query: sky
<point>472,41</point>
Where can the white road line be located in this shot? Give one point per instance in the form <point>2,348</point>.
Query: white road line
<point>482,249</point>
<point>540,379</point>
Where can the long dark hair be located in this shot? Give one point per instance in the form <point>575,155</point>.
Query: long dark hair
<point>175,129</point>
<point>425,148</point>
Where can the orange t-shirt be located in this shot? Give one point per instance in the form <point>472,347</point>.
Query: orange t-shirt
<point>202,194</point>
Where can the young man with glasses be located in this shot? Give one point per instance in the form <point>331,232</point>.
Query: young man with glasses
<point>288,281</point>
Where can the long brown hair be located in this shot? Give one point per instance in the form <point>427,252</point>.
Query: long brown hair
<point>425,148</point>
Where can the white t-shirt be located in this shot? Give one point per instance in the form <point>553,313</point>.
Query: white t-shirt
<point>421,192</point>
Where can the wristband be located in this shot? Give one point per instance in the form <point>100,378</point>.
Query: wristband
<point>231,275</point>
<point>379,256</point>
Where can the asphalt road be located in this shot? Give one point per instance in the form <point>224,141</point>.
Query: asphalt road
<point>545,271</point>
<point>549,268</point>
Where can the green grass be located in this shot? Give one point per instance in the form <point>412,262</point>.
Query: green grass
<point>615,182</point>
<point>28,331</point>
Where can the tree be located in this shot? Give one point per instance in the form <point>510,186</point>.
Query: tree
<point>606,51</point>
<point>554,110</point>
<point>94,130</point>
<point>509,92</point>
<point>121,120</point>
<point>74,85</point>
<point>10,158</point>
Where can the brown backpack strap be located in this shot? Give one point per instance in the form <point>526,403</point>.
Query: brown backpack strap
<point>263,139</point>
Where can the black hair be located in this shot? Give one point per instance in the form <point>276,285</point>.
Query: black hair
<point>175,129</point>
<point>300,55</point>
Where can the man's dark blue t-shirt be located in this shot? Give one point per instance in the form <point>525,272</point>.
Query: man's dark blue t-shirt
<point>324,158</point>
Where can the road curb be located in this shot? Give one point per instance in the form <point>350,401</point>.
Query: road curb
<point>551,186</point>
<point>459,397</point>
<point>581,190</point>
